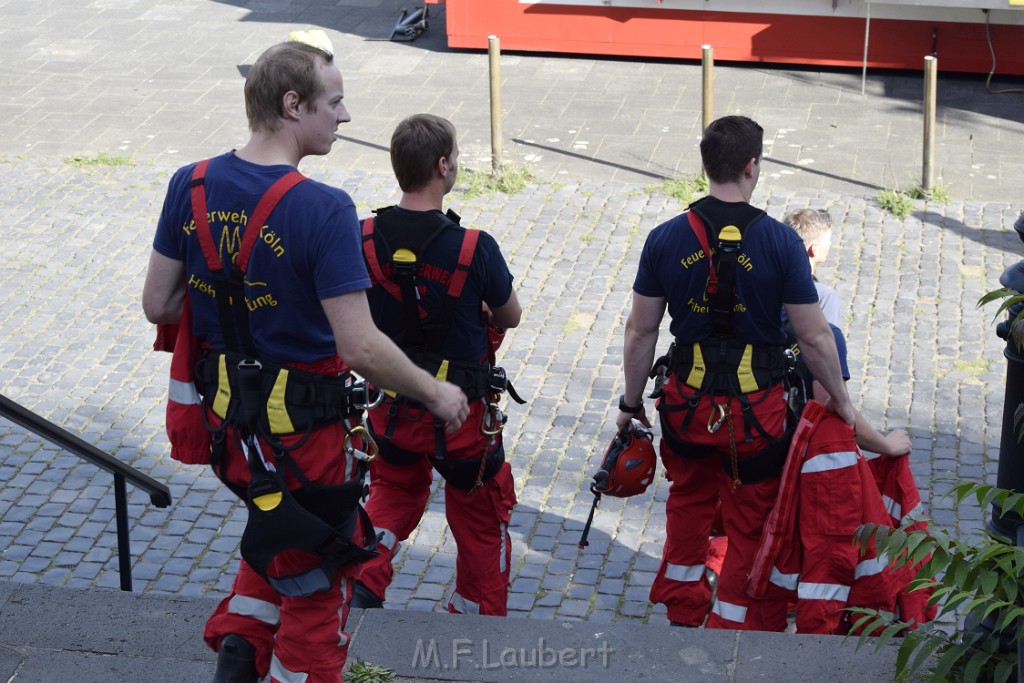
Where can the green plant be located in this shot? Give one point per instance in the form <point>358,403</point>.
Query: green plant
<point>364,672</point>
<point>1011,298</point>
<point>508,179</point>
<point>896,202</point>
<point>937,194</point>
<point>981,579</point>
<point>101,159</point>
<point>683,189</point>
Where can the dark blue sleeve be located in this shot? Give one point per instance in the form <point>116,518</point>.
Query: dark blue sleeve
<point>175,216</point>
<point>646,282</point>
<point>841,347</point>
<point>496,279</point>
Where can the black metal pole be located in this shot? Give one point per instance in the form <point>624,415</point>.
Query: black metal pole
<point>124,551</point>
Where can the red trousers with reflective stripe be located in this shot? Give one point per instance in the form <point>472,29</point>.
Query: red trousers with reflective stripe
<point>304,635</point>
<point>902,499</point>
<point>697,486</point>
<point>478,522</point>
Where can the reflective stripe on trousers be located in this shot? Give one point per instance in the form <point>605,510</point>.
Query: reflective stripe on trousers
<point>827,462</point>
<point>787,581</point>
<point>184,393</point>
<point>730,611</point>
<point>871,567</point>
<point>389,540</point>
<point>282,675</point>
<point>267,612</point>
<point>823,591</point>
<point>502,565</point>
<point>462,605</point>
<point>683,572</point>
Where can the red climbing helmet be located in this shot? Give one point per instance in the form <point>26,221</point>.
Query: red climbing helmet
<point>629,463</point>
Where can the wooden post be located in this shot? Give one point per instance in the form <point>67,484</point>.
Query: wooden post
<point>494,54</point>
<point>928,170</point>
<point>707,85</point>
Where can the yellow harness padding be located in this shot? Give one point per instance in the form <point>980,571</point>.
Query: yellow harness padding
<point>697,371</point>
<point>403,256</point>
<point>268,501</point>
<point>731,233</point>
<point>745,371</point>
<point>277,412</point>
<point>442,371</point>
<point>223,397</point>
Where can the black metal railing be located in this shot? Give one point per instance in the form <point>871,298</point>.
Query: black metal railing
<point>159,495</point>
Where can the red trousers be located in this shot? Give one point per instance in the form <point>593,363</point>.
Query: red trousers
<point>296,638</point>
<point>697,486</point>
<point>478,520</point>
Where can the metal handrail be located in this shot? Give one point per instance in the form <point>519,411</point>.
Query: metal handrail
<point>159,495</point>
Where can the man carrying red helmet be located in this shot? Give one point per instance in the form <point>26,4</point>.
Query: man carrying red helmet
<point>725,423</point>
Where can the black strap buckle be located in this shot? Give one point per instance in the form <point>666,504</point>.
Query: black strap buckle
<point>497,379</point>
<point>250,395</point>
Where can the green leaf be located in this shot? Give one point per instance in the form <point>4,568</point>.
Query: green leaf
<point>974,664</point>
<point>890,632</point>
<point>927,648</point>
<point>1009,617</point>
<point>1004,669</point>
<point>988,581</point>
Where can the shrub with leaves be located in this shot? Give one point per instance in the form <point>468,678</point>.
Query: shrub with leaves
<point>365,672</point>
<point>981,580</point>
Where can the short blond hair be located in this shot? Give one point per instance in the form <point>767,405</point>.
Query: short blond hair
<point>810,224</point>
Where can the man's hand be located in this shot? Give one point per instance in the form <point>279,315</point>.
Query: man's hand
<point>449,404</point>
<point>844,410</point>
<point>897,442</point>
<point>622,419</point>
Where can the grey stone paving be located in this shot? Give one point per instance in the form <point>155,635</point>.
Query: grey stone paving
<point>160,83</point>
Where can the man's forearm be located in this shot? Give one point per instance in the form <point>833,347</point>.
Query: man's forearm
<point>823,361</point>
<point>638,356</point>
<point>386,366</point>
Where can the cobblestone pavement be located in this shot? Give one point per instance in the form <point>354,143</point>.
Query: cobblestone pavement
<point>75,348</point>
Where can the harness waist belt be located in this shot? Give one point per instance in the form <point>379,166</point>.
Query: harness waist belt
<point>273,398</point>
<point>475,379</point>
<point>728,365</point>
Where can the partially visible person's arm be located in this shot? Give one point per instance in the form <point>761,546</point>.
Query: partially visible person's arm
<point>640,343</point>
<point>164,291</point>
<point>896,442</point>
<point>373,355</point>
<point>818,347</point>
<point>507,315</point>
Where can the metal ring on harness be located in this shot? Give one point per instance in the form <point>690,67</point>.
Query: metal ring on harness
<point>714,424</point>
<point>369,403</point>
<point>496,416</point>
<point>372,450</point>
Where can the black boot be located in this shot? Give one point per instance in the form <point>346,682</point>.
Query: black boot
<point>364,598</point>
<point>236,661</point>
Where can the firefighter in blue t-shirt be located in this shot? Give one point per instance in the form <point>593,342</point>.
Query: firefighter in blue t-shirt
<point>302,305</point>
<point>441,292</point>
<point>723,412</point>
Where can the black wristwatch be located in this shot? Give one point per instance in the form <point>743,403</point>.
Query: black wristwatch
<point>626,408</point>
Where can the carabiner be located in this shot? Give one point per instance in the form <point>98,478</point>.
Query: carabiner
<point>713,424</point>
<point>497,418</point>
<point>371,452</point>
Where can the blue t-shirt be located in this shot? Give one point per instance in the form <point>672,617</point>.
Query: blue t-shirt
<point>772,269</point>
<point>805,372</point>
<point>489,279</point>
<point>308,250</point>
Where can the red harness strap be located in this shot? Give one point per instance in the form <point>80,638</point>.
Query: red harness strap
<point>455,284</point>
<point>266,205</point>
<point>370,252</point>
<point>697,225</point>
